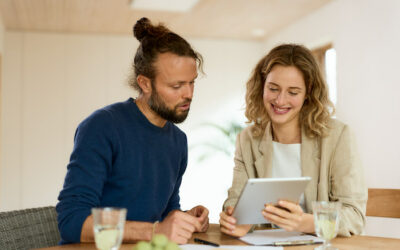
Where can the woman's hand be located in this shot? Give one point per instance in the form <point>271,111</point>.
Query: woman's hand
<point>228,224</point>
<point>292,220</point>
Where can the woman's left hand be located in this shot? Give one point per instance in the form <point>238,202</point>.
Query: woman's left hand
<point>292,220</point>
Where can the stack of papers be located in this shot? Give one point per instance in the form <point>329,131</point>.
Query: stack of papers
<point>226,247</point>
<point>280,236</point>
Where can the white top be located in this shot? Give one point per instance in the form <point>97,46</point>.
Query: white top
<point>286,162</point>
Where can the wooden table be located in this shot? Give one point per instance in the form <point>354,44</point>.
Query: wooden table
<point>213,234</point>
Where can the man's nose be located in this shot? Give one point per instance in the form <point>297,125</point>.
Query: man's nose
<point>188,91</point>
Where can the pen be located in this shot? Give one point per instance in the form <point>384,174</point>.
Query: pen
<point>205,242</point>
<point>294,243</point>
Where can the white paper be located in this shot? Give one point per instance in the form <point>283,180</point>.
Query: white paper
<point>263,237</point>
<point>226,247</point>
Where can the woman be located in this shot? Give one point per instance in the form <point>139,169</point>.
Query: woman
<point>294,135</point>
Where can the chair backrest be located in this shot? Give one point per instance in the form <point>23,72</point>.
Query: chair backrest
<point>29,228</point>
<point>383,203</point>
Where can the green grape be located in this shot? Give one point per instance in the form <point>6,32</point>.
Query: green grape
<point>159,240</point>
<point>172,246</point>
<point>143,245</point>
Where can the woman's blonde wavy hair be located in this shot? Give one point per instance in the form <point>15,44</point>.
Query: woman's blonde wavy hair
<point>317,108</point>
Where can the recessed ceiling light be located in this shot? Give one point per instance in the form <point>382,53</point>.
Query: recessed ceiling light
<point>164,5</point>
<point>258,32</point>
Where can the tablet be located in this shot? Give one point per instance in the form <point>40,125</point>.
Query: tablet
<point>260,191</point>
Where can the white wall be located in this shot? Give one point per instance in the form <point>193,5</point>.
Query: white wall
<point>1,87</point>
<point>1,34</point>
<point>53,81</point>
<point>366,36</point>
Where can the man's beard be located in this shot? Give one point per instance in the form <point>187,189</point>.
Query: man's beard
<point>158,105</point>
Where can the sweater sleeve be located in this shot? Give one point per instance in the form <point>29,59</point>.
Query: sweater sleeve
<point>239,176</point>
<point>87,170</point>
<point>174,201</point>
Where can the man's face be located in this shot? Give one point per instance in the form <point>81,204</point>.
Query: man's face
<point>172,88</point>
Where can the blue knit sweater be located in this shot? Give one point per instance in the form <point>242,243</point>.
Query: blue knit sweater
<point>120,159</point>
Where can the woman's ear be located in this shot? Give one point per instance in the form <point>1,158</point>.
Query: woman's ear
<point>144,83</point>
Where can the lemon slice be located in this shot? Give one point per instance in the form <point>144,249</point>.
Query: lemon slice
<point>106,239</point>
<point>328,228</point>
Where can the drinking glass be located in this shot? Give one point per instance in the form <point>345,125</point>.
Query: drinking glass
<point>326,220</point>
<point>108,227</point>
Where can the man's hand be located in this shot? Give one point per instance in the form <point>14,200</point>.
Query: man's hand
<point>178,226</point>
<point>228,224</point>
<point>201,213</point>
<point>289,217</point>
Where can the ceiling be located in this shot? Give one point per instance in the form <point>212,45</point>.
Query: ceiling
<point>235,19</point>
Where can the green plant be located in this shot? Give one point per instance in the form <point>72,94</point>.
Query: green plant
<point>223,142</point>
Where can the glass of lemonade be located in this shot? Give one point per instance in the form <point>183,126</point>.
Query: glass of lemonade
<point>326,220</point>
<point>108,227</point>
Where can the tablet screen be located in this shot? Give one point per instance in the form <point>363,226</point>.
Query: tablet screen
<point>260,191</point>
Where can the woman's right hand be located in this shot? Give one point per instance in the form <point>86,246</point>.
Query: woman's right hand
<point>228,224</point>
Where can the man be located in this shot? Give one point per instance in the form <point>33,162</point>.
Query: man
<point>131,155</point>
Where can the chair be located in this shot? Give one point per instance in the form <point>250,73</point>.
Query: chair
<point>383,203</point>
<point>29,228</point>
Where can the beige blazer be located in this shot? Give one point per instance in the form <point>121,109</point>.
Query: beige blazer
<point>332,162</point>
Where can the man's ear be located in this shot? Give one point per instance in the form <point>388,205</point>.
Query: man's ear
<point>144,83</point>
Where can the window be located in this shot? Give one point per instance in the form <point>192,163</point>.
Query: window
<point>326,58</point>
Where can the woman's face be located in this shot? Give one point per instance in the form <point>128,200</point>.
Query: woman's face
<point>284,94</point>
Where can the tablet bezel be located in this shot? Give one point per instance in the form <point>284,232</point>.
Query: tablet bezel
<point>249,206</point>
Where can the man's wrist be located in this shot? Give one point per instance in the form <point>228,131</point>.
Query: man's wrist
<point>134,231</point>
<point>154,227</point>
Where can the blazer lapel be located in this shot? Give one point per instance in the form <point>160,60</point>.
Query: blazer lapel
<point>263,164</point>
<point>310,166</point>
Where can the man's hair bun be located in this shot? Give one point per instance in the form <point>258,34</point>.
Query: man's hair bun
<point>154,40</point>
<point>140,29</point>
<point>143,28</point>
